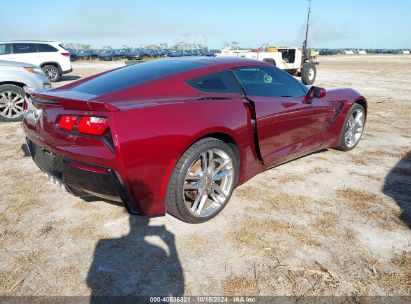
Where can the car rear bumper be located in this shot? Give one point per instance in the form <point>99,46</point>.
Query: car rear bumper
<point>81,179</point>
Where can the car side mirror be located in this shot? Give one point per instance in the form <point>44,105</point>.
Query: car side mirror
<point>314,92</point>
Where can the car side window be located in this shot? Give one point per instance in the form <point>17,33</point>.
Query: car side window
<point>21,48</point>
<point>221,82</point>
<point>43,47</point>
<point>268,81</point>
<point>5,49</point>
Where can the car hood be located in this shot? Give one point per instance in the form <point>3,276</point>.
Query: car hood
<point>16,63</point>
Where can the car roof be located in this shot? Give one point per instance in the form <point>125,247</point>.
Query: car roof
<point>29,41</point>
<point>228,61</point>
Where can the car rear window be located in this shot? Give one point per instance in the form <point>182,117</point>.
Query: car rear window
<point>20,48</point>
<point>221,82</point>
<point>43,47</point>
<point>133,75</point>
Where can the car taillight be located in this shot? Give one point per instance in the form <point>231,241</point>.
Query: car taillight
<point>92,125</point>
<point>67,122</point>
<point>65,54</point>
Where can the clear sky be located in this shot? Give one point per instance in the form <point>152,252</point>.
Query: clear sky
<point>335,23</point>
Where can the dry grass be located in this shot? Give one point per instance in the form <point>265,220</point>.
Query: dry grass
<point>403,260</point>
<point>383,153</point>
<point>356,195</point>
<point>81,205</point>
<point>290,178</point>
<point>371,207</point>
<point>247,193</point>
<point>258,233</point>
<point>393,282</point>
<point>272,202</point>
<point>21,268</point>
<point>328,224</point>
<point>304,281</point>
<point>319,170</point>
<point>86,232</point>
<point>350,237</point>
<point>51,227</point>
<point>240,286</point>
<point>68,271</point>
<point>300,233</point>
<point>245,236</point>
<point>196,244</point>
<point>282,200</point>
<point>369,176</point>
<point>358,160</point>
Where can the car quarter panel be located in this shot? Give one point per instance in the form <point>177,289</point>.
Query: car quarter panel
<point>152,138</point>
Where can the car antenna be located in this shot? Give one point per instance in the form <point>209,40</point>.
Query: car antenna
<point>306,30</point>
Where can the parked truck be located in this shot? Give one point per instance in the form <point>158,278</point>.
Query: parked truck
<point>292,60</point>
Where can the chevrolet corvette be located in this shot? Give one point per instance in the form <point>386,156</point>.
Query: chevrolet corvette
<point>178,135</point>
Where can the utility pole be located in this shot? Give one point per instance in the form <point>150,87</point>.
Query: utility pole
<point>306,30</point>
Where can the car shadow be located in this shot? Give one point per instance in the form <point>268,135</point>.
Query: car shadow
<point>25,150</point>
<point>398,186</point>
<point>69,77</point>
<point>130,266</point>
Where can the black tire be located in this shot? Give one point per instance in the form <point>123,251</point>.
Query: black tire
<point>308,73</point>
<point>52,72</point>
<point>342,146</point>
<point>271,61</point>
<point>16,91</point>
<point>175,205</point>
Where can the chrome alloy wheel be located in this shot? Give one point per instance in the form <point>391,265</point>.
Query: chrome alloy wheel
<point>11,104</point>
<point>354,128</point>
<point>51,73</point>
<point>208,183</point>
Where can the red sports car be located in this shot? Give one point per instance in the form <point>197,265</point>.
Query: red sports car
<point>178,135</point>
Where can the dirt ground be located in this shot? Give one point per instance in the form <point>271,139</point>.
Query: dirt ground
<point>331,223</point>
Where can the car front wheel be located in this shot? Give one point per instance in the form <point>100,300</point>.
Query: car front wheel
<point>202,181</point>
<point>11,102</point>
<point>353,128</point>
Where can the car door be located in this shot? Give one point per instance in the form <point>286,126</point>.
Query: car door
<point>287,127</point>
<point>26,52</point>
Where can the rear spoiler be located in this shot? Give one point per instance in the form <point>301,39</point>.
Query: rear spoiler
<point>50,99</point>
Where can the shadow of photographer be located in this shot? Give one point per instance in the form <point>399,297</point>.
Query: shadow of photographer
<point>131,266</point>
<point>398,186</point>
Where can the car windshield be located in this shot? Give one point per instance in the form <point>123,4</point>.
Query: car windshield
<point>134,74</point>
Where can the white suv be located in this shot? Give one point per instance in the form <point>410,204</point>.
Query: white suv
<point>49,55</point>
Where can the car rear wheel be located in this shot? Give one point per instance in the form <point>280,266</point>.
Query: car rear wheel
<point>353,128</point>
<point>11,102</point>
<point>202,181</point>
<point>52,72</point>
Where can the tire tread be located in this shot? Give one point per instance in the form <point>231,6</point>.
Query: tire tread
<point>172,203</point>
